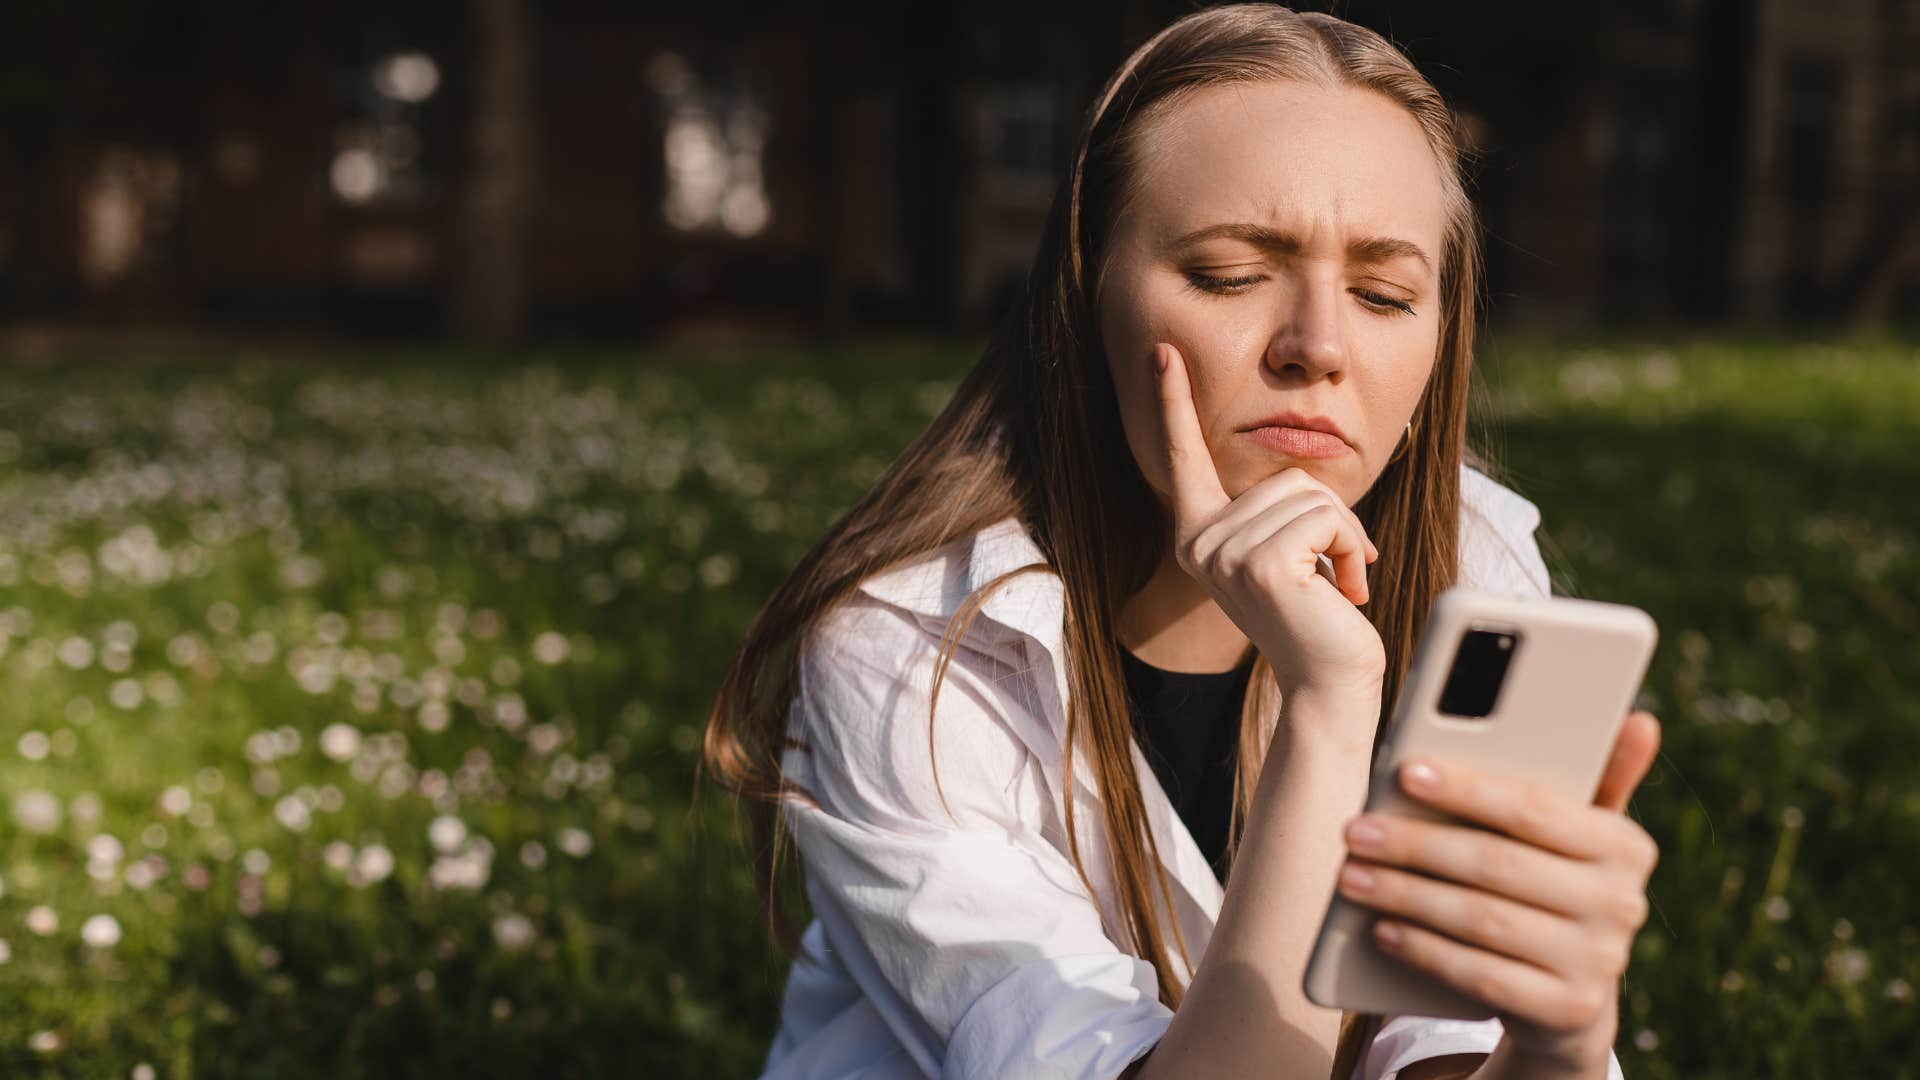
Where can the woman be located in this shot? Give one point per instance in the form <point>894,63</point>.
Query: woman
<point>1218,451</point>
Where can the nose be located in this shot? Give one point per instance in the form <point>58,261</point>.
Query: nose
<point>1309,339</point>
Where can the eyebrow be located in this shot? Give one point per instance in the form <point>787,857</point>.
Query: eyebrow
<point>1364,249</point>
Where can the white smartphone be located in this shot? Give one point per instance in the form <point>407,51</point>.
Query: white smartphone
<point>1528,687</point>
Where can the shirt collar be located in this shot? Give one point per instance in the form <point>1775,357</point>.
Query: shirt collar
<point>1030,609</point>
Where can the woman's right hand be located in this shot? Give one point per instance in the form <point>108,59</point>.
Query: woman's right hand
<point>1258,556</point>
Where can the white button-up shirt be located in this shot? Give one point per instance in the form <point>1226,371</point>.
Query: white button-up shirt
<point>952,935</point>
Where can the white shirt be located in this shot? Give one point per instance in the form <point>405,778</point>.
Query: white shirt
<point>956,939</point>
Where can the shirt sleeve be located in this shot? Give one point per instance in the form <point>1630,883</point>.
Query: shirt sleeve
<point>1498,550</point>
<point>971,932</point>
<point>1403,1040</point>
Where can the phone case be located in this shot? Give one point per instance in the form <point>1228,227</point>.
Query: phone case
<point>1569,684</point>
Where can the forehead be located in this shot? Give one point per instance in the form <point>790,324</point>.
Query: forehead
<point>1292,155</point>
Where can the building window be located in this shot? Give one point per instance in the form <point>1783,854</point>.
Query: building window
<point>377,152</point>
<point>713,149</point>
<point>129,214</point>
<point>1016,133</point>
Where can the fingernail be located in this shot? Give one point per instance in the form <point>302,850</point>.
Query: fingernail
<point>1365,835</point>
<point>1389,933</point>
<point>1159,359</point>
<point>1356,878</point>
<point>1421,777</point>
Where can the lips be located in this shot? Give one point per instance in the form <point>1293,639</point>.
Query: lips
<point>1301,422</point>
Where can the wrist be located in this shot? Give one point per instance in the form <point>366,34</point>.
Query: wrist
<point>1339,719</point>
<point>1571,1056</point>
<point>1511,1061</point>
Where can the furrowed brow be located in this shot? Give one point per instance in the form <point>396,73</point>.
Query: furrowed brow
<point>1364,249</point>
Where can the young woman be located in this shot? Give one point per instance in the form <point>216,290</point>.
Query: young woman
<point>1069,718</point>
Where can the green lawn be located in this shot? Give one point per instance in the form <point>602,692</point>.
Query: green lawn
<point>351,702</point>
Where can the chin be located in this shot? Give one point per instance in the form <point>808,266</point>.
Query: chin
<point>1337,474</point>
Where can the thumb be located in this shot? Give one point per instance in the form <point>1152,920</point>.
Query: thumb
<point>1197,494</point>
<point>1633,753</point>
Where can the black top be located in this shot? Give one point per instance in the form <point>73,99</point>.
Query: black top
<point>1188,727</point>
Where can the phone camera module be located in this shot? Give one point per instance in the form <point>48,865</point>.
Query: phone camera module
<point>1479,670</point>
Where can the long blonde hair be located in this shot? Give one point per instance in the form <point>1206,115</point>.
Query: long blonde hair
<point>1031,433</point>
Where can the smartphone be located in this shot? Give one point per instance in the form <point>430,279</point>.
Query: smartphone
<point>1535,688</point>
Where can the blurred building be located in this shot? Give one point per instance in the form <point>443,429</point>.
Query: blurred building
<point>595,168</point>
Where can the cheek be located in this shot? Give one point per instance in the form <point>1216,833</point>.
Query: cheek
<point>1129,328</point>
<point>1394,399</point>
<point>1412,377</point>
<point>1137,396</point>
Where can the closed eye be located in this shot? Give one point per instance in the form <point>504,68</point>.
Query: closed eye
<point>1380,301</point>
<point>1220,286</point>
<point>1224,286</point>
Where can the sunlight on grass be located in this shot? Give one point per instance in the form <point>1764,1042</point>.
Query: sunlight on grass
<point>352,702</point>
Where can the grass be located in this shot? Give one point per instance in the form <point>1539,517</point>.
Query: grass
<point>360,694</point>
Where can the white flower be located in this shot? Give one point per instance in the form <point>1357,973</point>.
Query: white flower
<point>576,842</point>
<point>76,652</point>
<point>718,570</point>
<point>260,748</point>
<point>176,801</point>
<point>447,833</point>
<point>6,951</point>
<point>293,813</point>
<point>256,862</point>
<point>550,648</point>
<point>101,931</point>
<point>510,711</point>
<point>544,739</point>
<point>104,853</point>
<point>43,920</point>
<point>36,811</point>
<point>1849,965</point>
<point>339,855</point>
<point>146,871</point>
<point>44,1042</point>
<point>467,868</point>
<point>105,847</point>
<point>513,931</point>
<point>34,745</point>
<point>340,741</point>
<point>374,863</point>
<point>125,694</point>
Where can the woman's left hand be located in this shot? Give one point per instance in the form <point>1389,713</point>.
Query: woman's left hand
<point>1538,915</point>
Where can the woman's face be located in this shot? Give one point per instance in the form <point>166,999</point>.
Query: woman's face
<point>1285,238</point>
